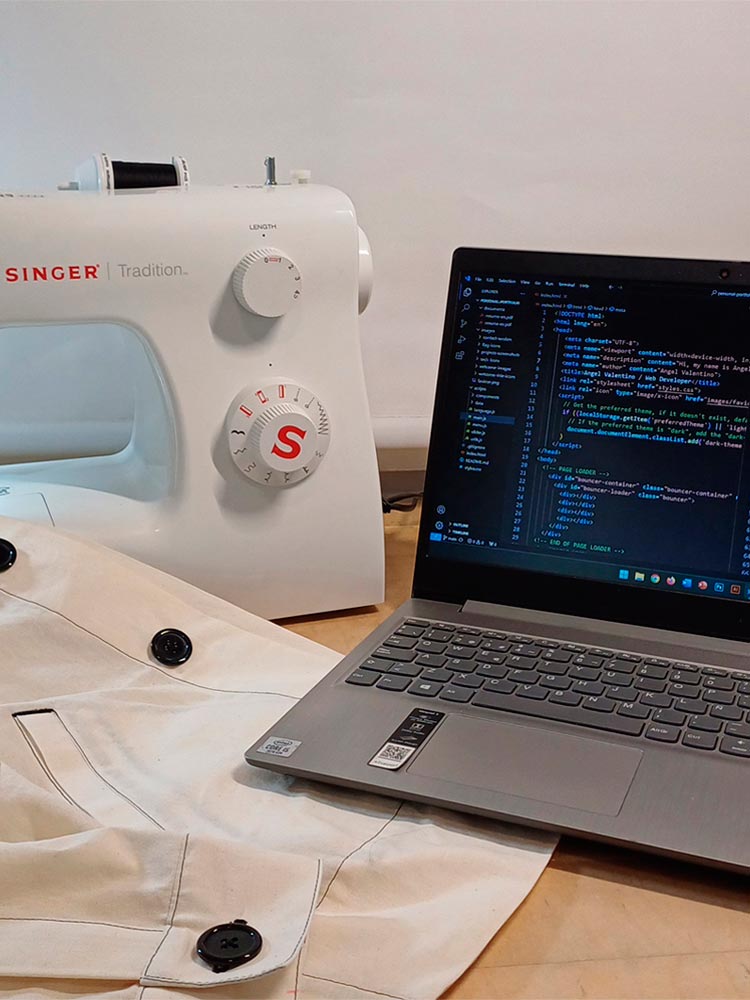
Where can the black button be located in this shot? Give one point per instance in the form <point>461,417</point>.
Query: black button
<point>171,647</point>
<point>226,946</point>
<point>7,554</point>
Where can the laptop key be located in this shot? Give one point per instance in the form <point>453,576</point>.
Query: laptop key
<point>669,717</point>
<point>555,682</point>
<point>466,640</point>
<point>410,630</point>
<point>701,741</point>
<point>650,684</point>
<point>438,635</point>
<point>718,697</point>
<point>634,710</point>
<point>657,662</point>
<point>694,706</point>
<point>459,694</point>
<point>557,655</point>
<point>550,667</point>
<point>469,630</point>
<point>391,683</point>
<point>401,642</point>
<point>600,704</point>
<point>583,673</point>
<point>364,678</point>
<point>523,676</point>
<point>715,671</point>
<point>561,697</point>
<point>433,674</point>
<point>613,677</point>
<point>499,685</point>
<point>467,680</point>
<point>744,701</point>
<point>622,693</point>
<point>620,666</point>
<point>705,723</point>
<point>744,687</point>
<point>390,653</point>
<point>729,712</point>
<point>685,677</point>
<point>484,656</point>
<point>558,713</point>
<point>465,666</point>
<point>425,689</point>
<point>521,649</point>
<point>629,657</point>
<point>737,729</point>
<point>405,669</point>
<point>719,683</point>
<point>653,672</point>
<point>589,688</point>
<point>655,700</point>
<point>430,660</point>
<point>685,690</point>
<point>736,746</point>
<point>373,664</point>
<point>419,622</point>
<point>461,652</point>
<point>547,643</point>
<point>588,661</point>
<point>490,670</point>
<point>495,646</point>
<point>431,646</point>
<point>665,734</point>
<point>532,691</point>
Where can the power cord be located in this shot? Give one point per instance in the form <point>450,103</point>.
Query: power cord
<point>401,501</point>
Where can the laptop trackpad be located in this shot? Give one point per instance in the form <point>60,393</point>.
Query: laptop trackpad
<point>533,763</point>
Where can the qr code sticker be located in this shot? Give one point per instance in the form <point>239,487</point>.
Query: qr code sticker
<point>392,756</point>
<point>279,747</point>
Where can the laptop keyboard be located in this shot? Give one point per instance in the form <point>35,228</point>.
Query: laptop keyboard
<point>666,701</point>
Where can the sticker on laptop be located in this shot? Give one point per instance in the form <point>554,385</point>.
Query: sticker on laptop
<point>279,747</point>
<point>416,728</point>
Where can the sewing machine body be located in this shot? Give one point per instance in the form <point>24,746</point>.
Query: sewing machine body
<point>133,449</point>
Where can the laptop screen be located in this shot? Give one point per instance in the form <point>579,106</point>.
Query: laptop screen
<point>594,425</point>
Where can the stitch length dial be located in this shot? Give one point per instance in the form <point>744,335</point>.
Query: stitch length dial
<point>278,434</point>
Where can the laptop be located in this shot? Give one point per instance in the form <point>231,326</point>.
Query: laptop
<point>575,654</point>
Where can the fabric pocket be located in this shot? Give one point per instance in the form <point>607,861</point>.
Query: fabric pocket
<point>69,768</point>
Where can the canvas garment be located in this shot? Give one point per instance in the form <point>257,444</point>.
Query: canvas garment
<point>130,822</point>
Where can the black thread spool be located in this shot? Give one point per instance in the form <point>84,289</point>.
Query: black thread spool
<point>144,175</point>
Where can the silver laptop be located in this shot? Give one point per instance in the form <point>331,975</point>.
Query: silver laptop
<point>575,652</point>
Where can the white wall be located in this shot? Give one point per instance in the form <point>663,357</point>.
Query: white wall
<point>617,126</point>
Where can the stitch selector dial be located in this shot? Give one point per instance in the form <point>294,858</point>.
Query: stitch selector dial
<point>278,434</point>
<point>267,282</point>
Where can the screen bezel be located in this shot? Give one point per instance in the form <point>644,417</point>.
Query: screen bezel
<point>453,581</point>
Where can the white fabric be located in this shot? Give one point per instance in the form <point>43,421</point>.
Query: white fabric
<point>130,822</point>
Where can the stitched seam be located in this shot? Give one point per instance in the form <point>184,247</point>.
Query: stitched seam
<point>136,659</point>
<point>351,986</point>
<point>95,923</point>
<point>155,980</point>
<point>354,851</point>
<point>39,756</point>
<point>101,776</point>
<point>173,909</point>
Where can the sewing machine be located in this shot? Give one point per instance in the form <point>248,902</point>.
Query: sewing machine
<point>181,379</point>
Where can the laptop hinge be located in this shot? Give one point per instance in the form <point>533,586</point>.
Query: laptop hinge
<point>481,608</point>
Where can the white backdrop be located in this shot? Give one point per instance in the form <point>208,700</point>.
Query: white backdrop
<point>617,126</point>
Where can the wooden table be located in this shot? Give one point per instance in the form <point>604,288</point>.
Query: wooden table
<point>600,922</point>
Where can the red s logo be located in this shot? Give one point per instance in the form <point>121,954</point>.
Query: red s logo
<point>292,448</point>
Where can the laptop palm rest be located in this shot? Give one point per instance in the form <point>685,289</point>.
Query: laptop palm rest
<point>530,762</point>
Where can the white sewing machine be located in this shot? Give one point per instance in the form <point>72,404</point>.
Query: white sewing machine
<point>181,379</point>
